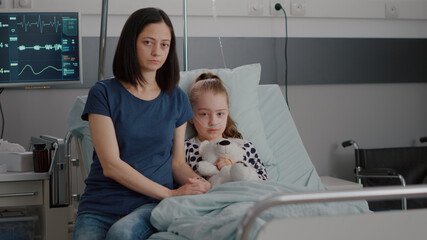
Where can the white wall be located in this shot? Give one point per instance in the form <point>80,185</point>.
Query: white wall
<point>372,114</point>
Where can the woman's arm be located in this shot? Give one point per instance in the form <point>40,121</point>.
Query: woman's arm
<point>181,171</point>
<point>106,146</point>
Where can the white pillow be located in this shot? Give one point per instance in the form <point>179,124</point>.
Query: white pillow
<point>241,84</point>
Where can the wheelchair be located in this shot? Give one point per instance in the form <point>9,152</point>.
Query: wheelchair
<point>391,166</point>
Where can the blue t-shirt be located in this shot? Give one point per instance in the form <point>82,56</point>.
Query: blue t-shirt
<point>145,131</point>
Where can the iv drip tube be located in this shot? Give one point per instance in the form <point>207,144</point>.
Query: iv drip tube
<point>218,33</point>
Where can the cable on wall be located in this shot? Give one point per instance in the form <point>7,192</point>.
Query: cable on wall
<point>278,6</point>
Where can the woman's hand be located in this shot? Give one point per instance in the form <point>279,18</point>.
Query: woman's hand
<point>222,162</point>
<point>194,186</point>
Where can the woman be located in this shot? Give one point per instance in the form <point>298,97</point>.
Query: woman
<point>137,121</point>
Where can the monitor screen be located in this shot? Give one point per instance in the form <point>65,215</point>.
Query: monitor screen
<point>39,48</point>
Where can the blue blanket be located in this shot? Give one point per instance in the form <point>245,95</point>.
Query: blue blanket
<point>216,214</point>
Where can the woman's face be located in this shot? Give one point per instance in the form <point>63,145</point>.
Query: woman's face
<point>152,46</point>
<point>210,115</point>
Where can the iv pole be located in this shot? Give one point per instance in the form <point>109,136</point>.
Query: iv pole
<point>103,38</point>
<point>185,36</point>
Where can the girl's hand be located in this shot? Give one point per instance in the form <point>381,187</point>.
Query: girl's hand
<point>222,162</point>
<point>194,186</point>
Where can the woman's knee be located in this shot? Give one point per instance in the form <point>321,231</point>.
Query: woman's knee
<point>135,225</point>
<point>91,226</point>
<point>130,230</point>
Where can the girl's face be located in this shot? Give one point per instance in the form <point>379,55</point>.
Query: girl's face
<point>210,115</point>
<point>152,46</point>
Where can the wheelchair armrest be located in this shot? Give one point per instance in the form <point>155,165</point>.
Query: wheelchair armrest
<point>382,173</point>
<point>379,172</point>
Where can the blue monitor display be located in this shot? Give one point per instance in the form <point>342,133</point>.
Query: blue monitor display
<point>39,48</point>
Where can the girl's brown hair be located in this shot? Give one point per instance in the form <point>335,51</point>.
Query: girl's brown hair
<point>211,82</point>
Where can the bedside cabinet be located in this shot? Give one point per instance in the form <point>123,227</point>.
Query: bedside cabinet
<point>30,191</point>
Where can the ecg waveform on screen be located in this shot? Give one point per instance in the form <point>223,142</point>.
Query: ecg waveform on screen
<point>4,71</point>
<point>41,71</point>
<point>56,47</point>
<point>39,47</point>
<point>56,24</point>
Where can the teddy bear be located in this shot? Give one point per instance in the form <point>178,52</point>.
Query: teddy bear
<point>225,148</point>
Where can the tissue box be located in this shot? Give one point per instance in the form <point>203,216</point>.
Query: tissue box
<point>17,161</point>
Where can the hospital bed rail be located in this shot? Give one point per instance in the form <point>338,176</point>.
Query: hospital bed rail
<point>374,193</point>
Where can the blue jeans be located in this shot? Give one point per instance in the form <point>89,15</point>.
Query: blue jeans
<point>91,225</point>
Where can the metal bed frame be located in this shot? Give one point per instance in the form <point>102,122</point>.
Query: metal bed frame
<point>327,196</point>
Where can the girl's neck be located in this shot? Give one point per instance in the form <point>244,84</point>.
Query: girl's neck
<point>201,139</point>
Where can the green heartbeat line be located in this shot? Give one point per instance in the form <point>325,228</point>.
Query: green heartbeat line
<point>56,47</point>
<point>37,73</point>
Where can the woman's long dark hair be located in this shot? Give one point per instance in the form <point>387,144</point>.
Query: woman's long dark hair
<point>125,63</point>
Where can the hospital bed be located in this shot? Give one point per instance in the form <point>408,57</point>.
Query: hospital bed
<point>263,117</point>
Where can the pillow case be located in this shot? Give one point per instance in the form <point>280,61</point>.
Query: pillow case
<point>241,84</point>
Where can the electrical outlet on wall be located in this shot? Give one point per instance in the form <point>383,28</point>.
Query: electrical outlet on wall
<point>391,10</point>
<point>298,8</point>
<point>286,4</point>
<point>255,7</point>
<point>22,3</point>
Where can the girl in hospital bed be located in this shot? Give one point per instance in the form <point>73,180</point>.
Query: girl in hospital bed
<point>209,101</point>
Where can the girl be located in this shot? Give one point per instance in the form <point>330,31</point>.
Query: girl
<point>137,122</point>
<point>209,101</point>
